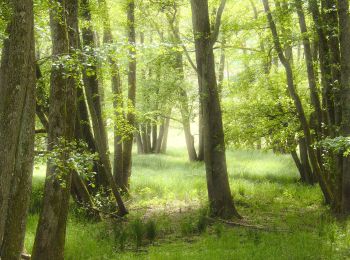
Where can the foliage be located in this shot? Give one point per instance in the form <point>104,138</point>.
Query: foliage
<point>70,156</point>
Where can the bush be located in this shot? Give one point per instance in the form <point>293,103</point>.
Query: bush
<point>151,230</point>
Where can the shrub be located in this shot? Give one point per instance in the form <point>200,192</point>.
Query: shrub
<point>151,230</point>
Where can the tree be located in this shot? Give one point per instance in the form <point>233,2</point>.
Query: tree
<point>50,237</point>
<point>90,78</point>
<point>344,33</point>
<point>220,198</point>
<point>127,148</point>
<point>17,117</point>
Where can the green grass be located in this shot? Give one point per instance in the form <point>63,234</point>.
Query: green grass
<point>172,192</point>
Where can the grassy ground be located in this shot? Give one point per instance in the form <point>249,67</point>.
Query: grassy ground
<point>289,219</point>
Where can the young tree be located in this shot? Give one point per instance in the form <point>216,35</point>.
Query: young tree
<point>17,128</point>
<point>127,148</point>
<point>90,78</point>
<point>220,198</point>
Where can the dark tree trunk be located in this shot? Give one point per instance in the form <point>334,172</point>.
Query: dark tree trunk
<point>344,32</point>
<point>330,23</point>
<point>50,237</point>
<point>299,166</point>
<point>17,128</point>
<point>93,97</point>
<point>310,68</point>
<point>220,198</point>
<point>305,162</point>
<point>154,135</point>
<point>325,67</point>
<point>128,143</point>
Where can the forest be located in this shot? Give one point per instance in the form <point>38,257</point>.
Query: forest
<point>174,129</point>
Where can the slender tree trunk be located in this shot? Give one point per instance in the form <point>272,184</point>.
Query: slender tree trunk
<point>117,97</point>
<point>310,68</point>
<point>220,198</point>
<point>139,143</point>
<point>299,166</point>
<point>325,67</point>
<point>17,128</point>
<point>160,137</point>
<point>305,162</point>
<point>185,111</point>
<point>127,152</point>
<point>299,107</point>
<point>163,149</point>
<point>344,32</point>
<point>145,141</point>
<point>93,97</point>
<point>330,23</point>
<point>154,135</point>
<point>50,237</point>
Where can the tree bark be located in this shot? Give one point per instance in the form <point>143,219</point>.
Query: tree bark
<point>163,149</point>
<point>315,100</point>
<point>17,128</point>
<point>50,237</point>
<point>219,193</point>
<point>344,33</point>
<point>128,143</point>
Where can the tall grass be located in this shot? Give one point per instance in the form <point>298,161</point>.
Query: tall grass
<point>171,192</point>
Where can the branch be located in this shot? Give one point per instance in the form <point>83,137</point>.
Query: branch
<point>178,38</point>
<point>215,34</point>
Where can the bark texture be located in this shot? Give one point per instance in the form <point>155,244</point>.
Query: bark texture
<point>219,193</point>
<point>17,128</point>
<point>50,237</point>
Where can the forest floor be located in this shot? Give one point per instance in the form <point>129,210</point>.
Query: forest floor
<point>283,219</point>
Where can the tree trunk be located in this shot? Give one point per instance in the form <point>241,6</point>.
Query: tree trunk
<point>50,237</point>
<point>315,100</point>
<point>128,143</point>
<point>305,162</point>
<point>299,166</point>
<point>184,109</point>
<point>154,135</point>
<point>92,94</point>
<point>160,137</point>
<point>344,32</point>
<point>325,67</point>
<point>220,198</point>
<point>299,107</point>
<point>163,149</point>
<point>17,128</point>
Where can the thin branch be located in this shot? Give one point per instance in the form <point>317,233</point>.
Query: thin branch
<point>215,33</point>
<point>177,36</point>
